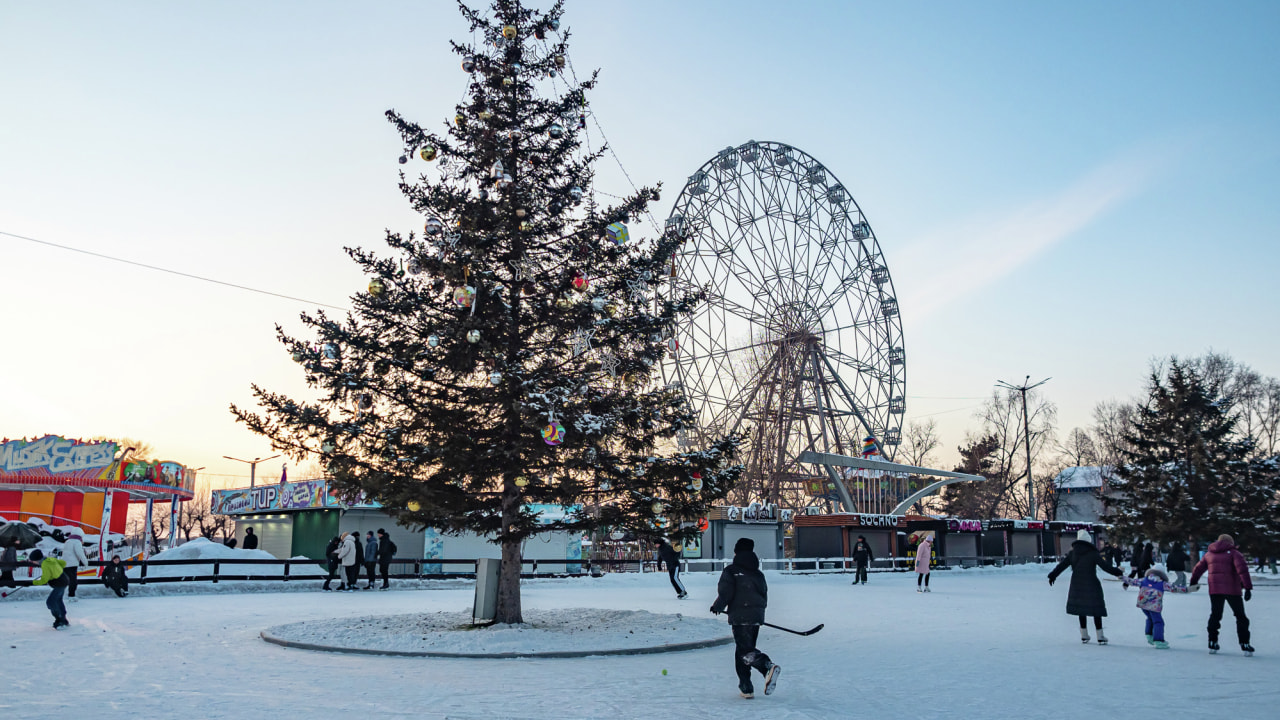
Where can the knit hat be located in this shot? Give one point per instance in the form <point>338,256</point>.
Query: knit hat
<point>1157,572</point>
<point>1084,535</point>
<point>35,556</point>
<point>744,545</point>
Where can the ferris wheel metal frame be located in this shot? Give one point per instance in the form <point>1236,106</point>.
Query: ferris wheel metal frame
<point>798,345</point>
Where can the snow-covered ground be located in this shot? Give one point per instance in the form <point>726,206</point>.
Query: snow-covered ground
<point>992,644</point>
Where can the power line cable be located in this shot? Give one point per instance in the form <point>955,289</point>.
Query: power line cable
<point>171,272</point>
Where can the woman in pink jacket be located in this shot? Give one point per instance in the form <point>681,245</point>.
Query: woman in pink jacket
<point>1228,577</point>
<point>924,553</point>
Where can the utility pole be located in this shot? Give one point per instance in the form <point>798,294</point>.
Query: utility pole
<point>1026,435</point>
<point>253,465</point>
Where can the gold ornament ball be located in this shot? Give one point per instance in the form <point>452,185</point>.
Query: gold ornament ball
<point>427,153</point>
<point>413,506</point>
<point>485,115</point>
<point>509,32</point>
<point>460,119</point>
<point>377,288</point>
<point>522,481</point>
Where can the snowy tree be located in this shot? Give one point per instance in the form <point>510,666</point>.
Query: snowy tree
<point>503,358</point>
<point>1186,471</point>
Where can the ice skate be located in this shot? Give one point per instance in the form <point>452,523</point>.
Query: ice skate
<point>771,678</point>
<point>919,589</point>
<point>746,691</point>
<point>1102,639</point>
<point>926,589</point>
<point>1213,647</point>
<point>1151,640</point>
<point>1084,635</point>
<point>1245,648</point>
<point>1160,645</point>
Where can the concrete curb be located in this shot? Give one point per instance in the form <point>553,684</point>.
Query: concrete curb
<point>672,647</point>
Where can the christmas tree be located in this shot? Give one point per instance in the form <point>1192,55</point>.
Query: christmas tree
<point>504,357</point>
<point>1186,472</point>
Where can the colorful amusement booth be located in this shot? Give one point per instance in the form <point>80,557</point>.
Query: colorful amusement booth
<point>83,485</point>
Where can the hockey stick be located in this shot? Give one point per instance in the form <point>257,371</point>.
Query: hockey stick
<point>7,593</point>
<point>796,632</point>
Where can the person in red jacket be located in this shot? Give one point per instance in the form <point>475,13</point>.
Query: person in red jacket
<point>1228,577</point>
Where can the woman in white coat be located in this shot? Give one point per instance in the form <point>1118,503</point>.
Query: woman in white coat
<point>73,555</point>
<point>347,556</point>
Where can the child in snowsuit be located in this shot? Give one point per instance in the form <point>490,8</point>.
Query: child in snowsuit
<point>924,553</point>
<point>743,592</point>
<point>52,574</point>
<point>113,577</point>
<point>668,555</point>
<point>1151,590</point>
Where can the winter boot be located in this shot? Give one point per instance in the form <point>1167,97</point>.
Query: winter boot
<point>1245,648</point>
<point>1213,647</point>
<point>1160,645</point>
<point>1102,639</point>
<point>926,589</point>
<point>384,587</point>
<point>1151,640</point>
<point>771,678</point>
<point>1084,635</point>
<point>746,691</point>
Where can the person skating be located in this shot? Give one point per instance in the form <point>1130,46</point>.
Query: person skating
<point>370,558</point>
<point>73,555</point>
<point>862,557</point>
<point>924,556</point>
<point>1084,596</point>
<point>250,540</point>
<point>1176,562</point>
<point>52,573</point>
<point>331,556</point>
<point>1228,578</point>
<point>113,577</point>
<point>347,558</point>
<point>668,555</point>
<point>1151,590</point>
<point>9,563</point>
<point>386,551</point>
<point>744,594</point>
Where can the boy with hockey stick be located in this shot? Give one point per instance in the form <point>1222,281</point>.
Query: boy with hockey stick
<point>743,592</point>
<point>1151,590</point>
<point>667,554</point>
<point>52,573</point>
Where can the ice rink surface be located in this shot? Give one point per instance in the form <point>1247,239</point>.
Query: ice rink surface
<point>983,644</point>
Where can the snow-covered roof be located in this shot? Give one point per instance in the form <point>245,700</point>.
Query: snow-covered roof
<point>1080,477</point>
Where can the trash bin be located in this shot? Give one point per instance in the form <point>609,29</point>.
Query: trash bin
<point>486,605</point>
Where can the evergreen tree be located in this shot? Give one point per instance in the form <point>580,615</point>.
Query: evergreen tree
<point>503,358</point>
<point>1184,471</point>
<point>977,500</point>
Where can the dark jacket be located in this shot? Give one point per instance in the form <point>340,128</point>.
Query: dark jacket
<point>250,541</point>
<point>359,552</point>
<point>1147,559</point>
<point>862,553</point>
<point>386,549</point>
<point>9,559</point>
<point>1084,597</point>
<point>113,576</point>
<point>1228,571</point>
<point>331,550</point>
<point>742,590</point>
<point>668,555</point>
<point>1177,559</point>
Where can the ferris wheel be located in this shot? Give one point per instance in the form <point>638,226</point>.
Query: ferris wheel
<point>798,345</point>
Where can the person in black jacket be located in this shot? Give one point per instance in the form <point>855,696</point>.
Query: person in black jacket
<point>1084,596</point>
<point>1176,562</point>
<point>862,557</point>
<point>386,551</point>
<point>353,572</point>
<point>250,540</point>
<point>9,563</point>
<point>114,579</point>
<point>743,592</point>
<point>331,554</point>
<point>668,555</point>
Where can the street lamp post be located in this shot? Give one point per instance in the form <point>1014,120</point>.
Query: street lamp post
<point>1026,436</point>
<point>253,465</point>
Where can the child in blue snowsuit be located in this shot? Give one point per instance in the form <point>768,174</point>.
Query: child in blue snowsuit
<point>1151,590</point>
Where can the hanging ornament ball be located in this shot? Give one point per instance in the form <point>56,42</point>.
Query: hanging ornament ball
<point>464,296</point>
<point>656,507</point>
<point>427,153</point>
<point>468,65</point>
<point>434,226</point>
<point>540,33</point>
<point>559,61</point>
<point>413,506</point>
<point>495,378</point>
<point>377,288</point>
<point>521,212</point>
<point>598,303</point>
<point>553,433</point>
<point>525,226</point>
<point>433,340</point>
<point>415,267</point>
<point>696,484</point>
<point>703,524</point>
<point>554,23</point>
<point>580,282</point>
<point>522,481</point>
<point>575,192</point>
<point>673,344</point>
<point>556,130</point>
<point>516,67</point>
<point>509,32</point>
<point>459,119</point>
<point>483,194</point>
<point>404,159</point>
<point>473,336</point>
<point>617,233</point>
<point>331,351</point>
<point>326,446</point>
<point>508,81</point>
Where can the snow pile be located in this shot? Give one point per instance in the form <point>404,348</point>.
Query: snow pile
<point>580,630</point>
<point>205,549</point>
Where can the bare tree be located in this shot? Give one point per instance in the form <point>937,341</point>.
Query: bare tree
<point>142,450</point>
<point>918,443</point>
<point>1002,420</point>
<point>1079,449</point>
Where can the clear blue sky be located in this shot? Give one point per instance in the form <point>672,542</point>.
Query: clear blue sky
<point>1063,190</point>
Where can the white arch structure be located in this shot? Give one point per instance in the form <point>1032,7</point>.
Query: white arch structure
<point>830,461</point>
